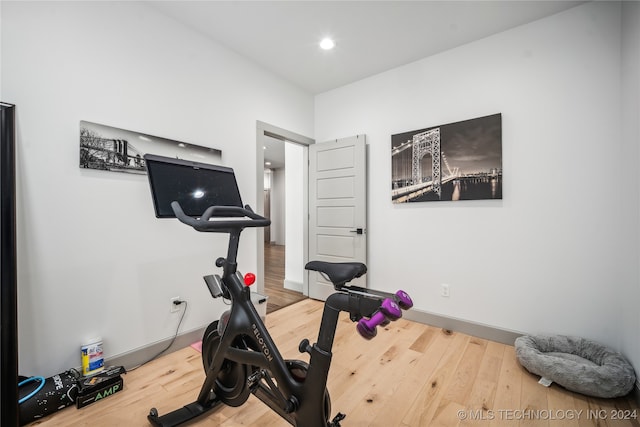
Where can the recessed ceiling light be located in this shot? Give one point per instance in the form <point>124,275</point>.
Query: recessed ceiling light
<point>327,43</point>
<point>267,163</point>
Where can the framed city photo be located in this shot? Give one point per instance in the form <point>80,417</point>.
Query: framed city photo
<point>109,148</point>
<point>455,161</point>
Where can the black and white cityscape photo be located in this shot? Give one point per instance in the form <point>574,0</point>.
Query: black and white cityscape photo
<point>112,149</point>
<point>456,161</point>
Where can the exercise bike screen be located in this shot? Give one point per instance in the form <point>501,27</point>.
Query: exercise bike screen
<point>196,186</point>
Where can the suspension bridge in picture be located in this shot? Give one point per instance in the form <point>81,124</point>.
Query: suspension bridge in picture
<point>408,181</point>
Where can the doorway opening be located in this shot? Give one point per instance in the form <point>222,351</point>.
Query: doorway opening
<point>282,252</point>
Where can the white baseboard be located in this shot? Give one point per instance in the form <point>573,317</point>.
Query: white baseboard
<point>142,355</point>
<point>492,333</point>
<point>293,286</point>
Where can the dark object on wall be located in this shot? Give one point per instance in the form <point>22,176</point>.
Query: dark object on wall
<point>57,392</point>
<point>8,271</point>
<point>456,161</point>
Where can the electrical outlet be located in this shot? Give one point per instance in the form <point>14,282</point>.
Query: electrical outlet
<point>444,291</point>
<point>174,308</point>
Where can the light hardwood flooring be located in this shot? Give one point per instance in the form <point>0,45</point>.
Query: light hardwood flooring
<point>274,279</point>
<point>409,375</point>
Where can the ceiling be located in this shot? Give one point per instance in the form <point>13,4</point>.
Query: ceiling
<point>273,153</point>
<point>371,36</point>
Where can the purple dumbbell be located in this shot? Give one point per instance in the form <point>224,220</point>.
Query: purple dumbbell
<point>404,300</point>
<point>388,310</point>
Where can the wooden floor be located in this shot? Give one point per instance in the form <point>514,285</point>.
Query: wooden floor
<point>409,375</point>
<point>274,279</point>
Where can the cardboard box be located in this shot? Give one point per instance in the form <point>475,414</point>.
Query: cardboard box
<point>95,394</point>
<point>99,386</point>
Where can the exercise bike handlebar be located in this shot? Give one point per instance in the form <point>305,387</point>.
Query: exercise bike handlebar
<point>204,223</point>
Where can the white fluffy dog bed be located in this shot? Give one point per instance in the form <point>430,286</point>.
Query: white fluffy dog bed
<point>576,364</point>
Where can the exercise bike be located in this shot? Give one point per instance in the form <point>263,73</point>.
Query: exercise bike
<point>238,354</point>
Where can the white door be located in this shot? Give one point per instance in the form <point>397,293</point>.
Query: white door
<point>337,207</point>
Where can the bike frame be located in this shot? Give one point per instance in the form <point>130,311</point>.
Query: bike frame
<point>254,362</point>
<point>295,401</point>
<point>298,402</point>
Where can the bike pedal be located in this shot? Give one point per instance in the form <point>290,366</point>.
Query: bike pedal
<point>254,377</point>
<point>335,422</point>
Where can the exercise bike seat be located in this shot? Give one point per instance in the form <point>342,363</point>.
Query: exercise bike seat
<point>338,272</point>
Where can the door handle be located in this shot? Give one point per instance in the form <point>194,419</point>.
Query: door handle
<point>357,231</point>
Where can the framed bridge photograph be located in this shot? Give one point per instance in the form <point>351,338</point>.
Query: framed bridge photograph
<point>456,161</point>
<point>113,149</point>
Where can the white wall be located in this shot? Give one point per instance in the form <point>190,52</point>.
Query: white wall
<point>93,260</point>
<point>552,256</point>
<point>278,206</point>
<point>630,162</point>
<point>555,255</point>
<point>294,182</point>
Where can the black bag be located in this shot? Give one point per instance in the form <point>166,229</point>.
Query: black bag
<point>57,392</point>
